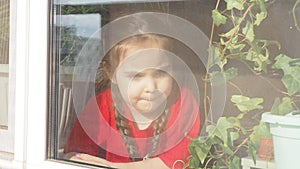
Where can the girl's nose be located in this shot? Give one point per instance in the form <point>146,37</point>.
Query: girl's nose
<point>150,84</point>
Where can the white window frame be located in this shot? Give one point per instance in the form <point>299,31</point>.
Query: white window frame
<point>31,95</point>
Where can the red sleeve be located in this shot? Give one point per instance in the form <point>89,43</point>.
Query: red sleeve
<point>79,141</point>
<point>180,151</point>
<point>87,135</point>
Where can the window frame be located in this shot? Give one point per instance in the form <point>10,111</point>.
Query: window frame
<point>31,129</point>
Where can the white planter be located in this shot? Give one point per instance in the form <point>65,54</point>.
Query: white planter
<point>286,139</point>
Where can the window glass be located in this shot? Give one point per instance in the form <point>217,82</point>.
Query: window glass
<point>4,62</point>
<point>178,83</point>
<point>77,45</point>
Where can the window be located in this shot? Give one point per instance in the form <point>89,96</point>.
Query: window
<point>76,25</point>
<point>46,38</point>
<point>84,35</point>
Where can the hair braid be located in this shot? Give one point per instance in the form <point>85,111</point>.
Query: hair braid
<point>158,127</point>
<point>122,126</point>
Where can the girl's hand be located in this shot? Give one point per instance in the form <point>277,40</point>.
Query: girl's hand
<point>146,164</point>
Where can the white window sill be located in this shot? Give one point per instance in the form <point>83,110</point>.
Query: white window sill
<point>6,160</point>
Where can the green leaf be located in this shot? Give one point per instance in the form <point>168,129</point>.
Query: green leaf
<point>231,32</point>
<point>210,129</point>
<point>252,151</point>
<point>233,45</point>
<point>246,104</point>
<point>255,55</point>
<point>233,137</point>
<point>235,123</point>
<point>202,152</point>
<point>282,107</point>
<point>234,163</point>
<point>215,57</point>
<point>262,14</point>
<point>260,17</point>
<point>248,31</point>
<point>238,4</point>
<point>261,62</point>
<point>291,71</point>
<point>217,78</point>
<point>292,83</point>
<point>221,129</point>
<point>227,149</point>
<point>231,73</point>
<point>282,62</point>
<point>235,49</point>
<point>194,162</point>
<point>218,18</point>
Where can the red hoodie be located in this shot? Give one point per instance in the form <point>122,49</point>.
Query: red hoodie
<point>95,131</point>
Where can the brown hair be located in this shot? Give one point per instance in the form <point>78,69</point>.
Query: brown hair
<point>103,81</point>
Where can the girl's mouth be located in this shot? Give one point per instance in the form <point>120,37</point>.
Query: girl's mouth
<point>156,95</point>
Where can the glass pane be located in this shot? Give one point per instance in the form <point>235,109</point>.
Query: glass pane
<point>182,82</point>
<point>4,61</point>
<point>78,43</point>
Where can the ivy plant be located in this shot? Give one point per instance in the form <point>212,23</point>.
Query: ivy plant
<point>225,139</point>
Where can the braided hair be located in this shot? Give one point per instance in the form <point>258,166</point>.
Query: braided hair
<point>122,126</point>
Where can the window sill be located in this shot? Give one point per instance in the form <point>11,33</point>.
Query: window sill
<point>6,160</point>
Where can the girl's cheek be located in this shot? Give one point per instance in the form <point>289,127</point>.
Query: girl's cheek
<point>168,85</point>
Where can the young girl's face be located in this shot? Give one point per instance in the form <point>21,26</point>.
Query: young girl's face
<point>144,78</point>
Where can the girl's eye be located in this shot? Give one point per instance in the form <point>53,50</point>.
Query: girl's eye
<point>134,75</point>
<point>137,76</point>
<point>160,73</point>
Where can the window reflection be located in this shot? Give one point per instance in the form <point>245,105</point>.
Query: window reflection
<point>73,30</point>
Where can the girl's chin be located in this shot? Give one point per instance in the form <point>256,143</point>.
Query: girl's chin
<point>148,107</point>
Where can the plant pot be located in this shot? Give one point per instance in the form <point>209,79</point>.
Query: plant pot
<point>285,131</point>
<point>266,149</point>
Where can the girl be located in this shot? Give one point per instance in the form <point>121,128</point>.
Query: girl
<point>143,118</point>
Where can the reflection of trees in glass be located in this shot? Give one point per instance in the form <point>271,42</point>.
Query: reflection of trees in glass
<point>4,31</point>
<point>86,9</point>
<point>106,10</point>
<point>71,43</point>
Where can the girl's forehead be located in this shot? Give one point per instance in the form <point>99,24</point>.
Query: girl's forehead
<point>139,46</point>
<point>146,58</point>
